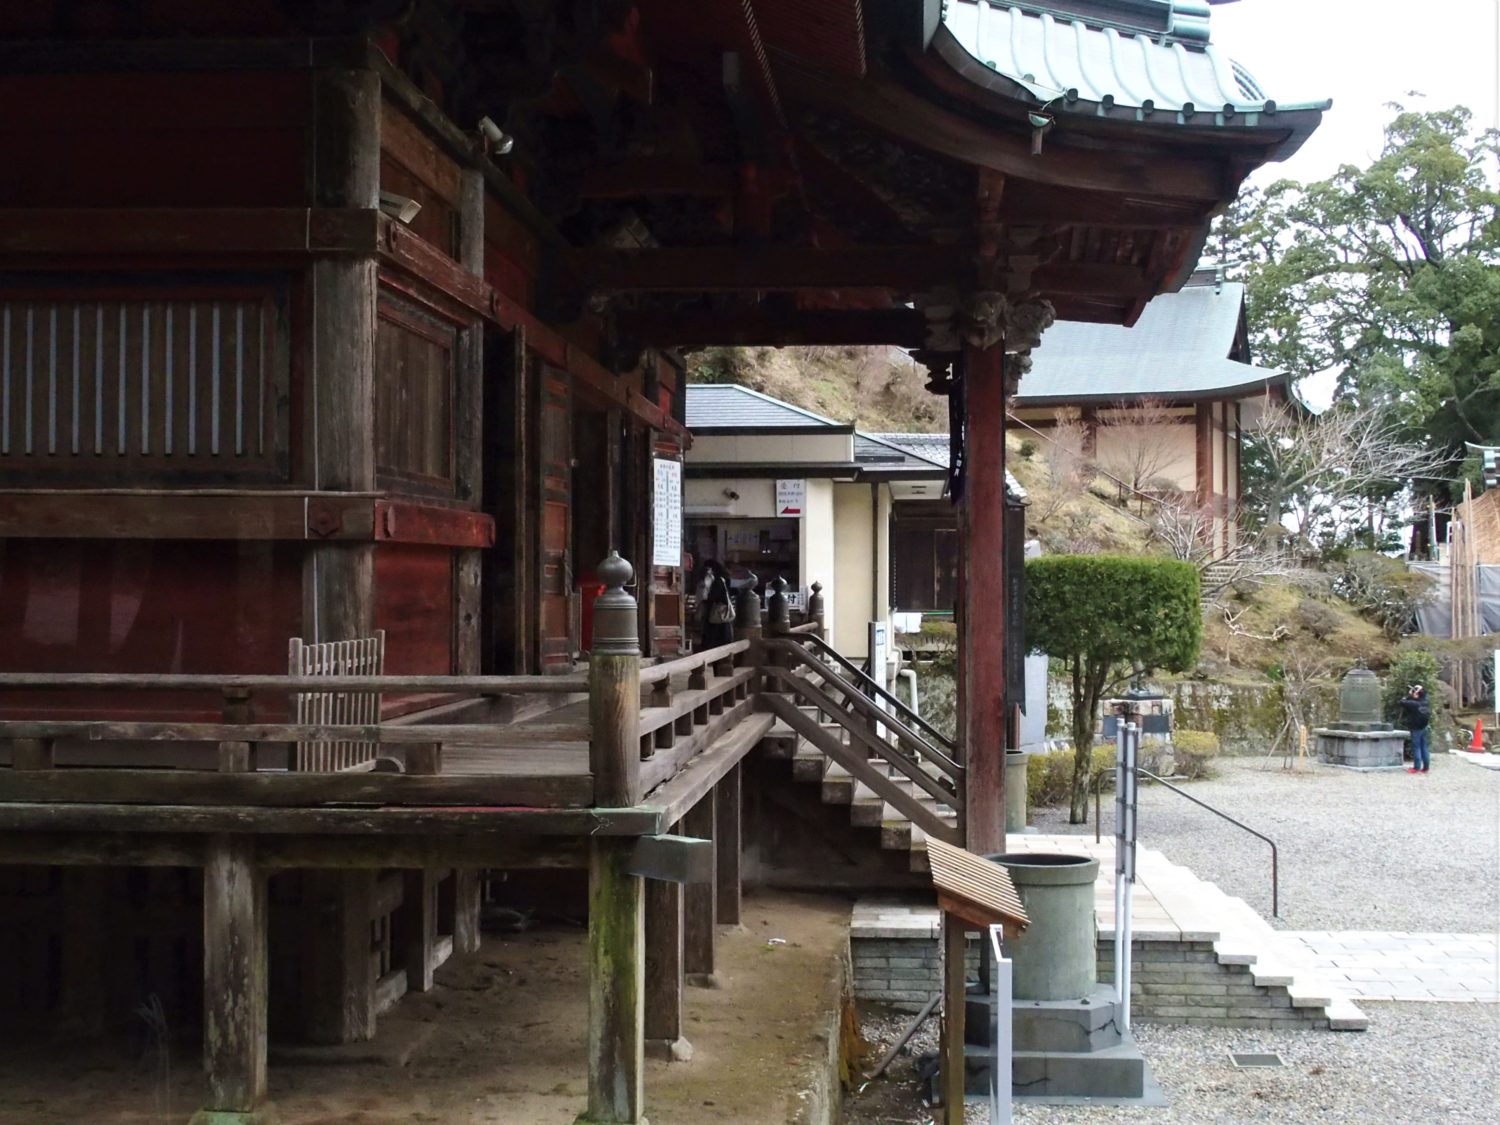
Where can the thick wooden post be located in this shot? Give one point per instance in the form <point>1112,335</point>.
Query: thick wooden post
<point>727,846</point>
<point>336,970</point>
<point>615,689</point>
<point>417,928</point>
<point>338,424</point>
<point>234,981</point>
<point>616,972</point>
<point>462,913</point>
<point>664,971</point>
<point>815,610</point>
<point>982,606</point>
<point>700,902</point>
<point>951,1052</point>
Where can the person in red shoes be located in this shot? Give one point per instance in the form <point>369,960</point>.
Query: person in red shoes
<point>1416,714</point>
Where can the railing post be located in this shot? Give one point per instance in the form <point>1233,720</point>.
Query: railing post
<point>780,611</point>
<point>747,628</point>
<point>615,690</point>
<point>617,951</point>
<point>815,610</point>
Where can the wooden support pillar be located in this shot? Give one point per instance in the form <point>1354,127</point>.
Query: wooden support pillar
<point>982,600</point>
<point>727,847</point>
<point>234,981</point>
<point>416,929</point>
<point>337,974</point>
<point>951,1051</point>
<point>664,971</point>
<point>616,993</point>
<point>700,902</point>
<point>468,429</point>
<point>460,909</point>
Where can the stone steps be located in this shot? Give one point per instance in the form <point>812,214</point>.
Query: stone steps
<point>1239,937</point>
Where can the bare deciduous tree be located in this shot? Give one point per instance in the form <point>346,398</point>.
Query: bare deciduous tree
<point>1134,449</point>
<point>1068,468</point>
<point>1312,468</point>
<point>1187,530</point>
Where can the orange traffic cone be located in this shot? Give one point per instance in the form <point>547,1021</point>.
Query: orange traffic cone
<point>1476,744</point>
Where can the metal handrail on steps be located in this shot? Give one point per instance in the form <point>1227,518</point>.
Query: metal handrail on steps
<point>868,683</point>
<point>1275,888</point>
<point>952,769</point>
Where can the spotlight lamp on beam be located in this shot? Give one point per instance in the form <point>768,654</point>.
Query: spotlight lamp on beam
<point>497,141</point>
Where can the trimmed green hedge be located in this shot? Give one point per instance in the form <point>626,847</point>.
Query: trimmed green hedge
<point>1099,615</point>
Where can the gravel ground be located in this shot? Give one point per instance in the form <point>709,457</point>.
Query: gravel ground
<point>1417,1063</point>
<point>1359,851</point>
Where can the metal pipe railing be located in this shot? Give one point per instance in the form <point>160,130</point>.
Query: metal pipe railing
<point>866,681</point>
<point>1275,887</point>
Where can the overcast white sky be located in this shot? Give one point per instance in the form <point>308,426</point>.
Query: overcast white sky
<point>1362,54</point>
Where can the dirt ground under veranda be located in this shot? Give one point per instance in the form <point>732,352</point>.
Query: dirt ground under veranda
<point>501,1039</point>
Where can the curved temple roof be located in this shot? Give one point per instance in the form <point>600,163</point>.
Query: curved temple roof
<point>1081,66</point>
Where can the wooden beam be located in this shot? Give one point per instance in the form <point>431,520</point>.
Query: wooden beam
<point>729,846</point>
<point>617,955</point>
<point>236,514</point>
<point>671,800</point>
<point>673,859</point>
<point>234,977</point>
<point>635,177</point>
<point>30,236</point>
<point>728,268</point>
<point>49,848</point>
<point>81,817</point>
<point>284,790</point>
<point>767,327</point>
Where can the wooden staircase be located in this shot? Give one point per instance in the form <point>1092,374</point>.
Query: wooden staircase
<point>881,795</point>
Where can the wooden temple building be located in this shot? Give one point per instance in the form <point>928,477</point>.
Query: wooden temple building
<point>351,330</point>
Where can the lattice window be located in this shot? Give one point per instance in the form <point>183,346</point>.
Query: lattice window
<point>143,386</point>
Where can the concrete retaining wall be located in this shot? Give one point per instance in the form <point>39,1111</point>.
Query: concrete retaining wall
<point>1182,982</point>
<point>1177,982</point>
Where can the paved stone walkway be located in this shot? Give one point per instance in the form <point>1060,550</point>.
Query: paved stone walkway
<point>1371,965</point>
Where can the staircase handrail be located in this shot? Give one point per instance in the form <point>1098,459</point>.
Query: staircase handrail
<point>869,683</point>
<point>1275,891</point>
<point>953,769</point>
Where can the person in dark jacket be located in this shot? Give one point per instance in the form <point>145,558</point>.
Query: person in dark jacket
<point>1416,714</point>
<point>716,604</point>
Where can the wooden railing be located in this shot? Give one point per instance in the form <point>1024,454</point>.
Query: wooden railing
<point>644,726</point>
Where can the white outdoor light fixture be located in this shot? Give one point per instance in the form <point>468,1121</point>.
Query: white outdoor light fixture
<point>500,141</point>
<point>399,207</point>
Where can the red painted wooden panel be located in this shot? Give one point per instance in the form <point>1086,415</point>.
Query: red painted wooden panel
<point>555,450</point>
<point>414,599</point>
<point>71,605</point>
<point>205,139</point>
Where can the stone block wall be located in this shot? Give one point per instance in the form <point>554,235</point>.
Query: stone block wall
<point>1182,982</point>
<point>902,972</point>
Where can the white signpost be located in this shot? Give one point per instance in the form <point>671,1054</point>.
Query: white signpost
<point>1128,748</point>
<point>791,498</point>
<point>666,543</point>
<point>1001,1089</point>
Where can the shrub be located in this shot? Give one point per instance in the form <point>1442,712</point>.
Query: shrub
<point>1101,614</point>
<point>1192,749</point>
<point>1027,449</point>
<point>1049,776</point>
<point>1383,589</point>
<point>1413,666</point>
<point>1317,618</point>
